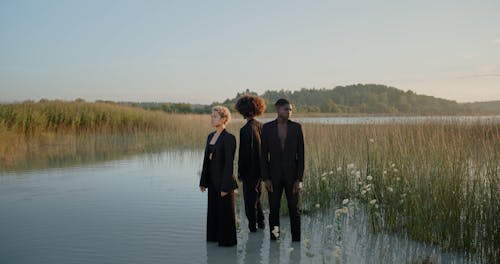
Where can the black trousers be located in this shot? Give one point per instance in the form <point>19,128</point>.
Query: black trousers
<point>221,221</point>
<point>252,190</point>
<point>283,183</point>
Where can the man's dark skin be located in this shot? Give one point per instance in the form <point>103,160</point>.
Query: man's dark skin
<point>284,112</point>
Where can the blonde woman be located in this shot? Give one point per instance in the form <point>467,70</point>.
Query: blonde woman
<point>217,176</point>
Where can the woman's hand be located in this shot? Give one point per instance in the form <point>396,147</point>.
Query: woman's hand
<point>222,194</point>
<point>202,188</point>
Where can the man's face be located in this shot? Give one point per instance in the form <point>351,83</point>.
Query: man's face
<point>284,111</point>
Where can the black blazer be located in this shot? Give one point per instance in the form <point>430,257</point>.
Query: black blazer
<point>274,160</point>
<point>249,153</point>
<point>223,157</point>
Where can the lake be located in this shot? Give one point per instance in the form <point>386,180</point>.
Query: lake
<point>147,209</point>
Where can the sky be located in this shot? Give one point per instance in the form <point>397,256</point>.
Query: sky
<point>206,51</point>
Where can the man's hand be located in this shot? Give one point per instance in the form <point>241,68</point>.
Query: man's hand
<point>222,194</point>
<point>297,187</point>
<point>202,188</point>
<point>269,185</point>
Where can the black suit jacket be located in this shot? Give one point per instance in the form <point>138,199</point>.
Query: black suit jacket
<point>249,154</point>
<point>276,161</point>
<point>222,176</point>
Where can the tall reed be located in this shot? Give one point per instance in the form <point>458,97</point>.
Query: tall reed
<point>438,183</point>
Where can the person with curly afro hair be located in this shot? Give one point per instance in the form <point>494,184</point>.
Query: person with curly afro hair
<point>249,172</point>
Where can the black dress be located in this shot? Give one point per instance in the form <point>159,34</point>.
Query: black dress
<point>221,221</point>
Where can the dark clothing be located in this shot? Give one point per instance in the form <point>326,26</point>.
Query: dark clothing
<point>276,161</point>
<point>217,176</point>
<point>221,171</point>
<point>283,166</point>
<point>250,151</point>
<point>249,172</point>
<point>292,202</point>
<point>253,207</point>
<point>221,218</point>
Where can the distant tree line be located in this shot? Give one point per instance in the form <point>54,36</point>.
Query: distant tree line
<point>350,99</point>
<point>361,98</point>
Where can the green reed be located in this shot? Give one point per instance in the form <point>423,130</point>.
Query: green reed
<point>437,183</point>
<point>52,133</point>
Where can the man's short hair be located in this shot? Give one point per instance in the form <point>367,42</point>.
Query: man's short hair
<point>282,102</point>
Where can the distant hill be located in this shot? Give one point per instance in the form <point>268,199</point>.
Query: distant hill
<point>362,98</point>
<point>350,99</point>
<point>491,107</point>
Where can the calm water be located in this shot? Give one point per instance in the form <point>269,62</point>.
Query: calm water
<point>396,119</point>
<point>147,209</point>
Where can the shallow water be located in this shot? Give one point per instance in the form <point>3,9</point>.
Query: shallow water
<point>148,209</point>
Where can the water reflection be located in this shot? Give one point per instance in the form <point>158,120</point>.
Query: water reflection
<point>148,209</point>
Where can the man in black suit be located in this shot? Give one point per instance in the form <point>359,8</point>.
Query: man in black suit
<point>282,165</point>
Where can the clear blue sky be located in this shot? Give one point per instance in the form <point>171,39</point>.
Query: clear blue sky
<point>205,51</point>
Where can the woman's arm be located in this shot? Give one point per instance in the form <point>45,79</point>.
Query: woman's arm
<point>204,170</point>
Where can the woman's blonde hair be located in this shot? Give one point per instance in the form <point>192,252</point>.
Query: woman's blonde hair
<point>223,112</point>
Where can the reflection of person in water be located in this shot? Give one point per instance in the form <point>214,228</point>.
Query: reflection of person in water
<point>217,255</point>
<point>217,176</point>
<point>253,249</point>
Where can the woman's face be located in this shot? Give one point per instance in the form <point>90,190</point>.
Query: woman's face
<point>216,119</point>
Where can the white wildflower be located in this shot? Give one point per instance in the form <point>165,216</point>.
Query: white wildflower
<point>345,210</point>
<point>339,168</point>
<point>307,242</point>
<point>372,140</point>
<point>317,205</point>
<point>363,192</point>
<point>374,201</point>
<point>345,201</point>
<point>338,212</point>
<point>369,177</point>
<point>390,189</point>
<point>337,253</point>
<point>350,166</point>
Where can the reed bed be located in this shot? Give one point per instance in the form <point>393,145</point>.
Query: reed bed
<point>437,183</point>
<point>54,133</point>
